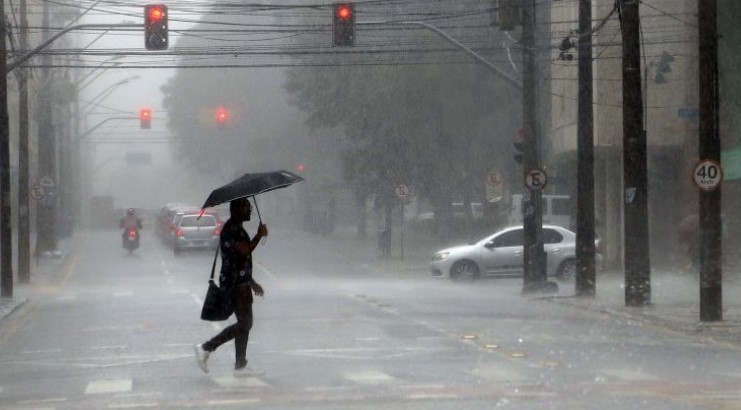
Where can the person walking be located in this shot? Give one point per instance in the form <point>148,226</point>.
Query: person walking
<point>236,277</point>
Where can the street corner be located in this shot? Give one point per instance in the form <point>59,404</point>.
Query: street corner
<point>10,305</point>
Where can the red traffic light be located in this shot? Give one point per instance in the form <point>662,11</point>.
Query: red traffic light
<point>155,27</point>
<point>145,118</point>
<point>344,12</point>
<point>156,13</point>
<point>222,115</point>
<point>343,24</point>
<point>301,167</point>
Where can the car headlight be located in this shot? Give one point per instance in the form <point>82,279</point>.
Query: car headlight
<point>440,256</point>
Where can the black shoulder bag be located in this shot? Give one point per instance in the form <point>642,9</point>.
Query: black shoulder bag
<point>217,306</point>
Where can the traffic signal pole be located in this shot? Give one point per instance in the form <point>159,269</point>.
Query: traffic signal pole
<point>711,276</point>
<point>585,281</point>
<point>532,214</point>
<point>635,168</point>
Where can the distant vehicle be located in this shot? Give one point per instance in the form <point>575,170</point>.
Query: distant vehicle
<point>166,216</point>
<point>556,210</point>
<point>501,254</point>
<point>458,210</point>
<point>191,230</point>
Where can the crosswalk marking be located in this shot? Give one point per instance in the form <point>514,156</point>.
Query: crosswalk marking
<point>230,381</point>
<point>108,386</point>
<point>133,406</point>
<point>369,377</point>
<point>233,401</point>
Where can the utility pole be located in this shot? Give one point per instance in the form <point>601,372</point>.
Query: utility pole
<point>635,168</point>
<point>24,217</point>
<point>6,245</point>
<point>46,237</point>
<point>534,256</point>
<point>585,264</point>
<point>711,275</point>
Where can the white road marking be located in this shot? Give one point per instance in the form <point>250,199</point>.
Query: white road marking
<point>133,406</point>
<point>369,377</point>
<point>108,386</point>
<point>234,401</point>
<point>43,401</point>
<point>429,396</point>
<point>41,351</point>
<point>108,347</point>
<point>230,381</point>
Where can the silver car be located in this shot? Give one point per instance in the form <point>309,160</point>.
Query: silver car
<point>193,231</point>
<point>501,254</point>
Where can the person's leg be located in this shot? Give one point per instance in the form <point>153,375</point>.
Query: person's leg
<point>243,311</point>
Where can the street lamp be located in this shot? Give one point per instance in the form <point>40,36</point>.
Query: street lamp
<point>106,92</point>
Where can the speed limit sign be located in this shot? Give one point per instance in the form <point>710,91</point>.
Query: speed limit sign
<point>708,174</point>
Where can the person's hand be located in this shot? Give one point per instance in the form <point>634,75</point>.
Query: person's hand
<point>257,289</point>
<point>262,230</point>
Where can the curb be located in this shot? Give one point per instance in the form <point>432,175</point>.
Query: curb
<point>694,329</point>
<point>12,304</point>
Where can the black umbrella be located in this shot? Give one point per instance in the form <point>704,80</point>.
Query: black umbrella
<point>251,184</point>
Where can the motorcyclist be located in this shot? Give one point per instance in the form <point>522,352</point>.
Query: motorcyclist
<point>128,222</point>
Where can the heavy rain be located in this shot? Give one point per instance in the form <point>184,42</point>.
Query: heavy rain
<point>402,204</point>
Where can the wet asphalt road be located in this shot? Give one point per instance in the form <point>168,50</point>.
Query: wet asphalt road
<point>334,332</point>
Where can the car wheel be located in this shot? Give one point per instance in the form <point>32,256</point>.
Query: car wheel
<point>567,270</point>
<point>464,270</point>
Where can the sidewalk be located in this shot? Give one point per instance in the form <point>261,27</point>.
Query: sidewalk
<point>45,270</point>
<point>675,296</point>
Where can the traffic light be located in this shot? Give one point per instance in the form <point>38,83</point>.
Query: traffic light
<point>343,18</point>
<point>145,118</point>
<point>155,27</point>
<point>222,116</point>
<point>301,167</point>
<point>517,145</point>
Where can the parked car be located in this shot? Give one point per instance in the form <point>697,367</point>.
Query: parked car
<point>191,230</point>
<point>501,254</point>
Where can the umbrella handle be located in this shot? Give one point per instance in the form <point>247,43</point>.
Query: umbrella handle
<point>264,238</point>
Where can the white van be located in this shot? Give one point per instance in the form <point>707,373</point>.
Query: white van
<point>556,210</point>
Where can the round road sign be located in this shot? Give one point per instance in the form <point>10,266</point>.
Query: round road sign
<point>708,174</point>
<point>536,179</point>
<point>37,191</point>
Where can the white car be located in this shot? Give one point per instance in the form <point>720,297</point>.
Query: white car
<point>501,254</point>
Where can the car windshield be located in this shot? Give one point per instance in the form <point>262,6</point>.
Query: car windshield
<point>191,221</point>
<point>453,204</point>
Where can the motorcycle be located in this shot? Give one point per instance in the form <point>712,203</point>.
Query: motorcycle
<point>131,239</point>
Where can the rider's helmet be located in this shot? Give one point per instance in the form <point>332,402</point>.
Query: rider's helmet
<point>130,211</point>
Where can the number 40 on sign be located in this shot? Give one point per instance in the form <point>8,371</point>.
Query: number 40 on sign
<point>708,174</point>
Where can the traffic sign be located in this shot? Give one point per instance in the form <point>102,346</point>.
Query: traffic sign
<point>708,174</point>
<point>37,191</point>
<point>536,179</point>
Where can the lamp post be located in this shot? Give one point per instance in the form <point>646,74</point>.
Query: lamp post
<point>70,167</point>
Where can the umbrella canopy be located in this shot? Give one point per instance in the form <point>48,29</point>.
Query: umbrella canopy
<point>251,184</point>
